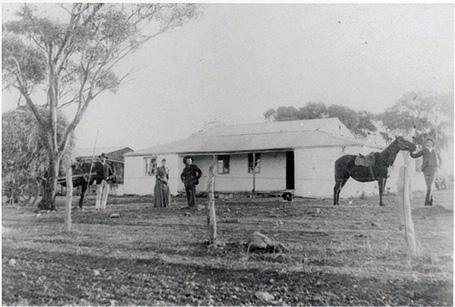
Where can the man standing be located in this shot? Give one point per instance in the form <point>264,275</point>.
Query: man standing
<point>190,178</point>
<point>103,175</point>
<point>430,164</point>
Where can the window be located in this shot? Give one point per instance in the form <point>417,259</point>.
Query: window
<point>223,164</point>
<point>150,165</point>
<point>257,163</point>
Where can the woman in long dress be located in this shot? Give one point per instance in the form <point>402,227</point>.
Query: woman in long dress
<point>162,194</point>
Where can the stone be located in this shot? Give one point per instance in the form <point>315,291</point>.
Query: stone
<point>12,262</point>
<point>115,215</point>
<point>264,296</point>
<point>96,272</point>
<point>22,302</point>
<point>260,241</point>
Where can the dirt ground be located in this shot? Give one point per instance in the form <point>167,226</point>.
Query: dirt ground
<point>353,254</point>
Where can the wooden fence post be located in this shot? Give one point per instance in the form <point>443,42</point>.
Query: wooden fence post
<point>404,191</point>
<point>69,198</point>
<point>253,192</point>
<point>211,213</point>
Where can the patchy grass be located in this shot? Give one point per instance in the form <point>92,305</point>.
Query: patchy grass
<point>347,255</point>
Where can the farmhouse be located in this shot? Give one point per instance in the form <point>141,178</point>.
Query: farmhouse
<point>289,155</point>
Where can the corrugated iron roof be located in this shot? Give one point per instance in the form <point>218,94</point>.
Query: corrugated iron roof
<point>249,142</point>
<point>88,152</point>
<point>331,125</point>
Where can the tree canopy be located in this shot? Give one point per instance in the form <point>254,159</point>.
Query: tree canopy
<point>420,114</point>
<point>24,151</point>
<point>359,123</point>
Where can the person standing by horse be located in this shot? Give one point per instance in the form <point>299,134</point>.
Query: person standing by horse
<point>430,164</point>
<point>190,178</point>
<point>162,195</point>
<point>104,173</point>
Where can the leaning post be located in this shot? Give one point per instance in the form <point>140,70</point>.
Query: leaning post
<point>211,213</point>
<point>69,198</point>
<point>404,191</point>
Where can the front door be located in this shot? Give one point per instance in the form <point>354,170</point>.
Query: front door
<point>290,182</point>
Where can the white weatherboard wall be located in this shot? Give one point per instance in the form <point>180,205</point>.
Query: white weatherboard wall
<point>138,182</point>
<point>271,177</point>
<point>315,172</point>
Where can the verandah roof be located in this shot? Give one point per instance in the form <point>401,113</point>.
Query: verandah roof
<point>249,142</point>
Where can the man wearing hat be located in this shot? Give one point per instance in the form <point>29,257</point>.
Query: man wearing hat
<point>103,175</point>
<point>430,164</point>
<point>190,178</point>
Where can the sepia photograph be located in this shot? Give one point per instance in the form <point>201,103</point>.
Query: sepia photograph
<point>227,154</point>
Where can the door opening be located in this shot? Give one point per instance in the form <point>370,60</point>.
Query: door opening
<point>290,181</point>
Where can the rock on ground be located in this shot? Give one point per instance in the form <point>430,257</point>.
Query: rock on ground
<point>259,241</point>
<point>264,296</point>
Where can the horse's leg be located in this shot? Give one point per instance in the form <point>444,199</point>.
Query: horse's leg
<point>343,182</point>
<point>335,191</point>
<point>339,184</point>
<point>381,189</point>
<point>83,189</point>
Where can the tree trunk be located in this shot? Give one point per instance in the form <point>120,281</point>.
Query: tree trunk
<point>69,198</point>
<point>50,188</point>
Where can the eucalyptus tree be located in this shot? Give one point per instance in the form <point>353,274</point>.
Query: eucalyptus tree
<point>73,60</point>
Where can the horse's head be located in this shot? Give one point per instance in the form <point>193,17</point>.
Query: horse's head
<point>404,144</point>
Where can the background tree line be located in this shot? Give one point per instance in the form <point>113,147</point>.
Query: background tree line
<point>421,115</point>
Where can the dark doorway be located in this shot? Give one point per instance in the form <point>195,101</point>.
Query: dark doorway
<point>290,183</point>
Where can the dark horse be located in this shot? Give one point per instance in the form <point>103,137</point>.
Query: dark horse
<point>84,175</point>
<point>345,167</point>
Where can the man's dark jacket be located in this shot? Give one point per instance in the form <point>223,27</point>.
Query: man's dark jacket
<point>190,175</point>
<point>430,158</point>
<point>103,172</point>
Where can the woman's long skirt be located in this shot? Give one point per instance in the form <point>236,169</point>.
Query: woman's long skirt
<point>162,195</point>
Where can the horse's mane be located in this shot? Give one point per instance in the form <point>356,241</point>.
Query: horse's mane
<point>389,154</point>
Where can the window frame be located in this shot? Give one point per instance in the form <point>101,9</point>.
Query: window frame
<point>257,163</point>
<point>150,165</point>
<point>226,160</point>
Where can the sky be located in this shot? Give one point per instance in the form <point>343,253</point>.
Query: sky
<point>235,61</point>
